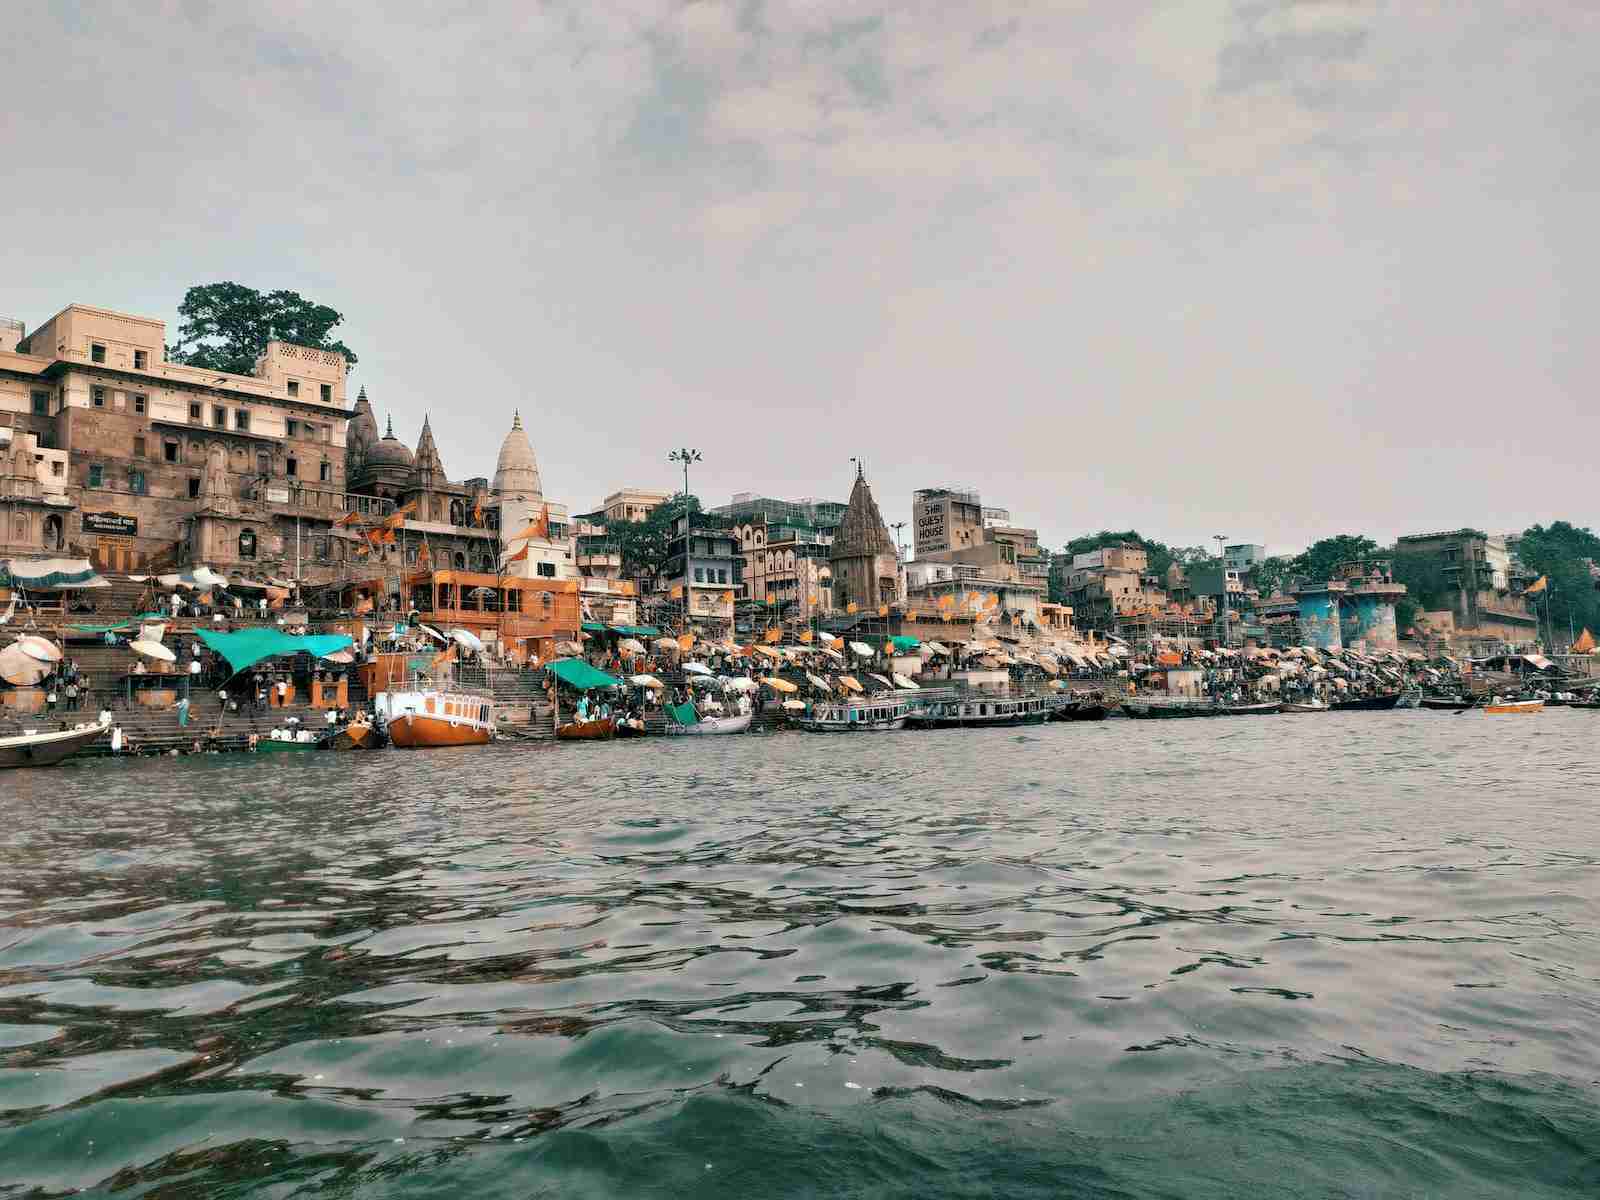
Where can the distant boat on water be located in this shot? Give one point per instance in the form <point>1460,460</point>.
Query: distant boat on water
<point>43,749</point>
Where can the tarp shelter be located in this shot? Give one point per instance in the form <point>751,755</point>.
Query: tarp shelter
<point>49,574</point>
<point>246,647</point>
<point>581,675</point>
<point>203,578</point>
<point>683,714</point>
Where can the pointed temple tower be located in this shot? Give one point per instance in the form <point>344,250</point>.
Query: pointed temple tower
<point>865,567</point>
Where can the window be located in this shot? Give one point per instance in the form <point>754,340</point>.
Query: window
<point>294,387</point>
<point>289,428</point>
<point>97,352</point>
<point>292,468</point>
<point>241,419</point>
<point>99,396</point>
<point>96,475</point>
<point>41,404</point>
<point>169,450</point>
<point>325,472</point>
<point>194,414</point>
<point>141,359</point>
<point>138,403</point>
<point>247,544</point>
<point>327,393</point>
<point>194,487</point>
<point>219,417</point>
<point>136,482</point>
<point>263,463</point>
<point>55,467</point>
<point>699,574</point>
<point>548,570</point>
<point>138,447</point>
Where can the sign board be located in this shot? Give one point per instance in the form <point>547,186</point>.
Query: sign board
<point>112,523</point>
<point>277,495</point>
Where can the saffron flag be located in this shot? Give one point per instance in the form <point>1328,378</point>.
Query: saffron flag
<point>425,556</point>
<point>772,636</point>
<point>850,608</point>
<point>677,591</point>
<point>349,519</point>
<point>477,511</point>
<point>395,519</point>
<point>1538,585</point>
<point>518,556</point>
<point>883,610</point>
<point>805,636</point>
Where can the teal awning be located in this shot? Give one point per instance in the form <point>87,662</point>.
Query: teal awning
<point>126,625</point>
<point>901,641</point>
<point>247,647</point>
<point>683,714</point>
<point>580,674</point>
<point>636,630</point>
<point>593,627</point>
<point>49,574</point>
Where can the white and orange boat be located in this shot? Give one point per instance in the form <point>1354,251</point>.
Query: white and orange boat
<point>1514,706</point>
<point>426,716</point>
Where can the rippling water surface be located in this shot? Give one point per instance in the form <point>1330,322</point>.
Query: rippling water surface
<point>1342,955</point>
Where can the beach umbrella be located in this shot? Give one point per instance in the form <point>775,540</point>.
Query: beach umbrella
<point>861,648</point>
<point>467,639</point>
<point>646,681</point>
<point>569,649</point>
<point>153,650</point>
<point>631,646</point>
<point>20,669</point>
<point>795,705</point>
<point>778,684</point>
<point>901,681</point>
<point>741,684</point>
<point>666,643</point>
<point>694,668</point>
<point>339,656</point>
<point>36,647</point>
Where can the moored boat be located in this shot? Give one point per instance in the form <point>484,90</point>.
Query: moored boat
<point>1169,709</point>
<point>1367,703</point>
<point>1304,706</point>
<point>979,710</point>
<point>1264,709</point>
<point>426,717</point>
<point>357,735</point>
<point>865,716</point>
<point>1448,703</point>
<point>712,726</point>
<point>281,741</point>
<point>1081,710</point>
<point>45,748</point>
<point>594,730</point>
<point>1514,706</point>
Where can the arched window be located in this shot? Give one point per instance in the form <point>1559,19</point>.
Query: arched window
<point>460,561</point>
<point>458,513</point>
<point>52,532</point>
<point>247,543</point>
<point>411,555</point>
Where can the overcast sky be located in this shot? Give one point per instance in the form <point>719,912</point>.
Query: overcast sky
<point>1265,268</point>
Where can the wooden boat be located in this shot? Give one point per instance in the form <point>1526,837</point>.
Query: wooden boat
<point>1514,706</point>
<point>979,710</point>
<point>1149,710</point>
<point>427,717</point>
<point>1367,703</point>
<point>358,735</point>
<point>593,730</point>
<point>292,743</point>
<point>1409,699</point>
<point>1266,708</point>
<point>42,749</point>
<point>711,726</point>
<point>631,729</point>
<point>1304,706</point>
<point>1081,710</point>
<point>1448,703</point>
<point>864,716</point>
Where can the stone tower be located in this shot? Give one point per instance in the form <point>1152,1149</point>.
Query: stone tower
<point>429,468</point>
<point>516,472</point>
<point>361,436</point>
<point>866,571</point>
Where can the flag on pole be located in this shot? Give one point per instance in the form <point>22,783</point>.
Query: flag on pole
<point>1538,585</point>
<point>349,519</point>
<point>477,510</point>
<point>518,556</point>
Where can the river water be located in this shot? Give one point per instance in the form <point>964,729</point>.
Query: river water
<point>1324,956</point>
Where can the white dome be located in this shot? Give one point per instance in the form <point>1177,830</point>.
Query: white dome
<point>516,472</point>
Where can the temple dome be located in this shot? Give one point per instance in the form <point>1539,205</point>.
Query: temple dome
<point>390,452</point>
<point>516,471</point>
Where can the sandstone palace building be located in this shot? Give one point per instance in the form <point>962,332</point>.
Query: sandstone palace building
<point>111,452</point>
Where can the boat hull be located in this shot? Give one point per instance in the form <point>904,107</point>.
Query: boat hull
<point>1441,704</point>
<point>417,731</point>
<point>712,726</point>
<point>358,736</point>
<point>277,746</point>
<point>1515,706</point>
<point>46,749</point>
<point>890,725</point>
<point>1292,706</point>
<point>1251,710</point>
<point>1167,712</point>
<point>1367,704</point>
<point>1085,710</point>
<point>588,731</point>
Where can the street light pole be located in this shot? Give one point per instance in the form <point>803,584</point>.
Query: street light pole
<point>1222,584</point>
<point>685,455</point>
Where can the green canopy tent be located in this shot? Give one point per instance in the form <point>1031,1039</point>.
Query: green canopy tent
<point>246,647</point>
<point>579,674</point>
<point>903,642</point>
<point>683,714</point>
<point>644,631</point>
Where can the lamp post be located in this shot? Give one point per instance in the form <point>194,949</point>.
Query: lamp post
<point>1222,584</point>
<point>685,455</point>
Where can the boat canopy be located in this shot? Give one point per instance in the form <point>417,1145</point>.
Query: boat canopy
<point>49,574</point>
<point>246,647</point>
<point>580,674</point>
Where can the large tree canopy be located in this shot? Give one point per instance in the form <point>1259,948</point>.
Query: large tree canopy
<point>646,544</point>
<point>1558,551</point>
<point>1161,555</point>
<point>226,326</point>
<point>1317,561</point>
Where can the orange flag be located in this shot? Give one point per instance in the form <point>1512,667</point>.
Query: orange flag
<point>349,519</point>
<point>398,516</point>
<point>544,523</point>
<point>805,636</point>
<point>772,636</point>
<point>477,511</point>
<point>518,556</point>
<point>850,608</point>
<point>883,610</point>
<point>425,556</point>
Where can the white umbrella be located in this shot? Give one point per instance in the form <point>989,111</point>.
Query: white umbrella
<point>901,681</point>
<point>795,705</point>
<point>742,685</point>
<point>694,668</point>
<point>645,681</point>
<point>20,669</point>
<point>861,648</point>
<point>827,637</point>
<point>666,643</point>
<point>631,646</point>
<point>153,650</point>
<point>40,648</point>
<point>467,639</point>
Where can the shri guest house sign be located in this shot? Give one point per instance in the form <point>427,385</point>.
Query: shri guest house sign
<point>112,523</point>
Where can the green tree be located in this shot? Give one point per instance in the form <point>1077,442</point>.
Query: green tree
<point>1161,555</point>
<point>646,545</point>
<point>226,326</point>
<point>1270,573</point>
<point>1316,561</point>
<point>1562,553</point>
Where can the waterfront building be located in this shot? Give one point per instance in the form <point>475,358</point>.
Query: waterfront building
<point>163,464</point>
<point>944,519</point>
<point>605,596</point>
<point>701,576</point>
<point>632,504</point>
<point>1483,581</point>
<point>960,588</point>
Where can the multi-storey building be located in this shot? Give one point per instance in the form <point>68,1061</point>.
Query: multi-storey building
<point>701,576</point>
<point>632,504</point>
<point>945,520</point>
